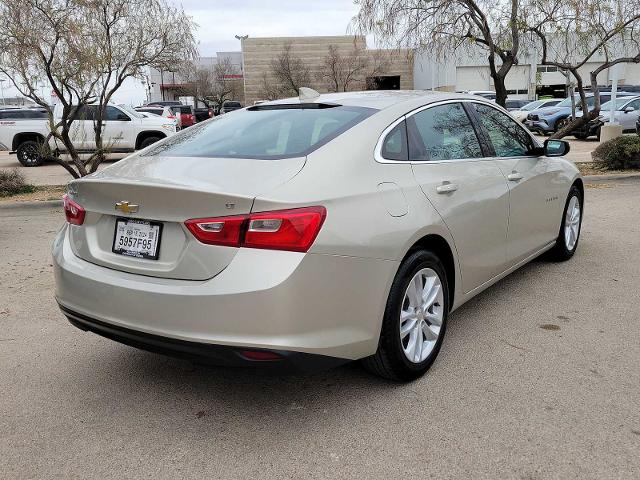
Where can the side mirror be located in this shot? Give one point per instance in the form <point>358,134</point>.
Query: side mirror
<point>629,109</point>
<point>556,148</point>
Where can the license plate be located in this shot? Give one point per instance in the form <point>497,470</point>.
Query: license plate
<point>137,238</point>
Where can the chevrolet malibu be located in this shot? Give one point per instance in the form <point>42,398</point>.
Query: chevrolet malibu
<point>309,232</point>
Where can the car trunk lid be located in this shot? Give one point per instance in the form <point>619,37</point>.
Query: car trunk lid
<point>169,191</point>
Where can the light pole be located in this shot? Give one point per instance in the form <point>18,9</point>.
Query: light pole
<point>2,80</point>
<point>242,38</point>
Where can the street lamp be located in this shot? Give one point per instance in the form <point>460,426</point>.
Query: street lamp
<point>2,80</point>
<point>242,38</point>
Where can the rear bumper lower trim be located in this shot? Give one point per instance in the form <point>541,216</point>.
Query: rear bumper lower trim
<point>210,354</point>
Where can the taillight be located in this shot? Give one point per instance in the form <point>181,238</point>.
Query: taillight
<point>224,231</point>
<point>171,116</point>
<point>293,230</point>
<point>73,211</point>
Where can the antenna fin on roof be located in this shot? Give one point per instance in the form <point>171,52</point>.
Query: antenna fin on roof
<point>308,94</point>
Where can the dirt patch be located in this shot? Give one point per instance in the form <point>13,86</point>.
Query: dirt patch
<point>591,169</point>
<point>40,194</point>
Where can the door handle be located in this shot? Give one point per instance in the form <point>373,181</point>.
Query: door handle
<point>515,177</point>
<point>447,188</point>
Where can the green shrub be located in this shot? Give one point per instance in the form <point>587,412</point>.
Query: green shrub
<point>13,183</point>
<point>620,153</point>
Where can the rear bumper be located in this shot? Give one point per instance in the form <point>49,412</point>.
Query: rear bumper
<point>285,301</point>
<point>203,353</point>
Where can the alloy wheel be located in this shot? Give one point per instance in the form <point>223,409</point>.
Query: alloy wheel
<point>572,223</point>
<point>421,315</point>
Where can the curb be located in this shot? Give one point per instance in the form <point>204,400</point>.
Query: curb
<point>33,205</point>
<point>605,177</point>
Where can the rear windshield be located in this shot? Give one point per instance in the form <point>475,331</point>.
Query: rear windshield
<point>232,104</point>
<point>182,109</point>
<point>263,134</point>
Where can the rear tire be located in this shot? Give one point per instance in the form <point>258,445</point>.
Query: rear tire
<point>149,141</point>
<point>407,355</point>
<point>29,154</point>
<point>570,227</point>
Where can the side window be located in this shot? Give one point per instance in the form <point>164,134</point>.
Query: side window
<point>442,133</point>
<point>635,104</point>
<point>508,138</point>
<point>86,112</point>
<point>395,143</point>
<point>112,113</point>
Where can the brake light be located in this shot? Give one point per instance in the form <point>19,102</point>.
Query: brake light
<point>293,230</point>
<point>225,231</point>
<point>73,211</point>
<point>171,116</point>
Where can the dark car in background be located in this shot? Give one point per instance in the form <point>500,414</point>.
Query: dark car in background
<point>203,114</point>
<point>229,106</point>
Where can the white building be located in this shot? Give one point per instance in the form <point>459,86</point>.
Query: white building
<point>469,70</point>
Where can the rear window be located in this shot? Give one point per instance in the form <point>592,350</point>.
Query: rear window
<point>22,114</point>
<point>182,109</point>
<point>271,133</point>
<point>232,104</point>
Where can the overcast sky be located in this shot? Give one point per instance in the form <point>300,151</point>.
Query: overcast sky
<point>220,20</point>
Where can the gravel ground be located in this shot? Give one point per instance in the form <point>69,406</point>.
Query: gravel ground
<point>538,378</point>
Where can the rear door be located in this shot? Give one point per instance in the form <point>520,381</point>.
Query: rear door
<point>536,189</point>
<point>468,190</point>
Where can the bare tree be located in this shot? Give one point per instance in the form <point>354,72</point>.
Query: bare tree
<point>214,85</point>
<point>444,26</point>
<point>288,73</point>
<point>577,34</point>
<point>85,51</point>
<point>343,73</point>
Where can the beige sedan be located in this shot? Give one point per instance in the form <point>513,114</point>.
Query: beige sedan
<point>309,232</point>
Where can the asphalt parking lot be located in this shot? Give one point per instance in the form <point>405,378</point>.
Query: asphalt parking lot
<point>538,378</point>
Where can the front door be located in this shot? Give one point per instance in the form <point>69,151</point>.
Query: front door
<point>535,189</point>
<point>469,191</point>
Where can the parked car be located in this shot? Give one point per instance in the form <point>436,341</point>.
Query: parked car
<point>481,93</point>
<point>638,126</point>
<point>229,106</point>
<point>531,107</point>
<point>125,130</point>
<point>204,113</point>
<point>512,105</point>
<point>22,113</point>
<point>161,112</point>
<point>626,111</point>
<point>164,103</point>
<point>287,243</point>
<point>186,114</point>
<point>551,119</point>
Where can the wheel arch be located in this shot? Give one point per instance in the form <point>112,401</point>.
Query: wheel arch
<point>579,183</point>
<point>22,137</point>
<point>441,248</point>
<point>142,136</point>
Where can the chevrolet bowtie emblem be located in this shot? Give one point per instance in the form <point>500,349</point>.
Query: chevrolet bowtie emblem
<point>126,207</point>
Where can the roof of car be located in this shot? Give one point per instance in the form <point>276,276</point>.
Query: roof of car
<point>379,99</point>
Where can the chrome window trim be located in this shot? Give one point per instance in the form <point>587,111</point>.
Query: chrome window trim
<point>377,154</point>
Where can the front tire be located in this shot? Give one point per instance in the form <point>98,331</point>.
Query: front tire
<point>415,319</point>
<point>569,235</point>
<point>149,141</point>
<point>28,154</point>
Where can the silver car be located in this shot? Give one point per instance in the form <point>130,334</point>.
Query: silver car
<point>306,234</point>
